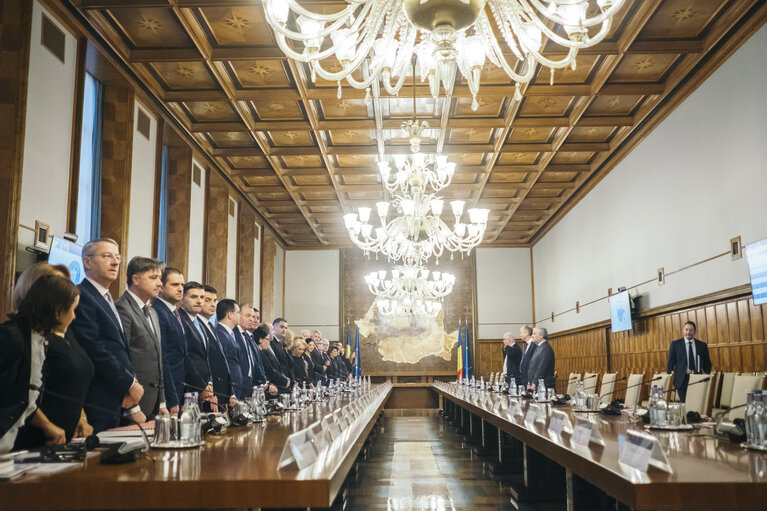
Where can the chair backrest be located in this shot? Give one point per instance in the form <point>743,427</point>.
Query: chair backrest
<point>606,390</point>
<point>571,381</point>
<point>590,382</point>
<point>742,384</point>
<point>697,394</point>
<point>728,379</point>
<point>664,383</point>
<point>633,389</point>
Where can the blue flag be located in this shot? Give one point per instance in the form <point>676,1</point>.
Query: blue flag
<point>357,364</point>
<point>467,364</point>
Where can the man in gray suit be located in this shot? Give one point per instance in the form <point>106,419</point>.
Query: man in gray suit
<point>542,363</point>
<point>142,330</point>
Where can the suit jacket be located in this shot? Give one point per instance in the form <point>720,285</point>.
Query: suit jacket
<point>15,372</point>
<point>274,372</point>
<point>196,366</point>
<point>677,361</point>
<point>219,367</point>
<point>524,364</point>
<point>337,369</point>
<point>301,370</point>
<point>317,367</point>
<point>542,366</point>
<point>232,352</point>
<point>246,365</point>
<point>100,335</point>
<point>283,357</point>
<point>173,353</point>
<point>145,351</point>
<point>513,356</point>
<point>259,375</point>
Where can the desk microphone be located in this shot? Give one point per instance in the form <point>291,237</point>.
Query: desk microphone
<point>115,454</point>
<point>735,430</point>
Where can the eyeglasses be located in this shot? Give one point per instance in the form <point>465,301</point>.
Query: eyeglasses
<point>109,255</point>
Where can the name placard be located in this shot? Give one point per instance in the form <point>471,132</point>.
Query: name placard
<point>531,415</point>
<point>330,427</point>
<point>638,450</point>
<point>559,422</point>
<point>300,449</point>
<point>341,420</point>
<point>586,431</point>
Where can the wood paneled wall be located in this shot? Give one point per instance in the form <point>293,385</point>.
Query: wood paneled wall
<point>733,327</point>
<point>15,28</point>
<point>116,158</point>
<point>217,229</point>
<point>246,236</point>
<point>179,163</point>
<point>268,251</point>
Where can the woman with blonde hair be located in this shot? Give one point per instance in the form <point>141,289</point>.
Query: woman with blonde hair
<point>301,369</point>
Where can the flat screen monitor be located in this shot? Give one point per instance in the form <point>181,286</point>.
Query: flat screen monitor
<point>620,311</point>
<point>68,254</point>
<point>756,254</point>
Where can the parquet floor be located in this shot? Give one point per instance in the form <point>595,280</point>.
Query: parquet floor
<point>418,462</point>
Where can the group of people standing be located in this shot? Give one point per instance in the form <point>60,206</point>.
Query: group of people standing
<point>74,361</point>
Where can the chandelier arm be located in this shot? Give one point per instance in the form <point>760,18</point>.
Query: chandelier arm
<point>521,78</point>
<point>588,22</point>
<point>343,13</point>
<point>298,36</point>
<point>567,43</point>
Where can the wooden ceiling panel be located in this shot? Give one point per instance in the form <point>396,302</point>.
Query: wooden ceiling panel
<point>682,19</point>
<point>258,73</point>
<point>192,75</point>
<point>237,26</point>
<point>303,157</point>
<point>150,27</point>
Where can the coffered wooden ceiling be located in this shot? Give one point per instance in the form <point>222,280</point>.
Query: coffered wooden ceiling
<point>305,157</point>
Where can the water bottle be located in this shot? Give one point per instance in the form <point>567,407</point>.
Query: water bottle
<point>580,396</point>
<point>653,405</point>
<point>750,415</point>
<point>541,389</point>
<point>760,422</point>
<point>294,396</point>
<point>661,407</point>
<point>481,383</point>
<point>513,386</point>
<point>187,423</point>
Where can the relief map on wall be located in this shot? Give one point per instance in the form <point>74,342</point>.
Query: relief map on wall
<point>392,345</point>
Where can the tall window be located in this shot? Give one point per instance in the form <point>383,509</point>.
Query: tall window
<point>89,180</point>
<point>162,217</point>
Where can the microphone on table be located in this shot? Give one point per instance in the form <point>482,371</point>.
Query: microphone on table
<point>735,430</point>
<point>614,408</point>
<point>116,453</point>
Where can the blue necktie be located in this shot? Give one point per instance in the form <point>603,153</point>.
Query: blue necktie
<point>199,329</point>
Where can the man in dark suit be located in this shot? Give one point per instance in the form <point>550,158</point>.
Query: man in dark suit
<point>249,320</point>
<point>279,330</point>
<point>542,363</point>
<point>227,319</point>
<point>173,337</point>
<point>687,356</point>
<point>219,367</point>
<point>197,367</point>
<point>98,328</point>
<point>512,356</point>
<point>142,329</point>
<point>526,334</point>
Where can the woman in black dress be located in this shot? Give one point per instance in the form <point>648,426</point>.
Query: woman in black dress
<point>301,369</point>
<point>67,373</point>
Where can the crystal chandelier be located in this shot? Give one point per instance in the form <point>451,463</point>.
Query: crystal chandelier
<point>410,281</point>
<point>379,38</point>
<point>408,307</point>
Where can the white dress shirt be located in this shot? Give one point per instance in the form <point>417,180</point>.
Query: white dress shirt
<point>107,296</point>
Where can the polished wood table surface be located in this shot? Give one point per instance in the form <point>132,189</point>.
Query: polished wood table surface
<point>235,470</point>
<point>708,473</point>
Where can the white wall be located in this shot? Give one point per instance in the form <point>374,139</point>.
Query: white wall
<point>504,291</point>
<point>143,168</point>
<point>257,269</point>
<point>47,137</point>
<point>279,282</point>
<point>231,252</point>
<point>196,227</point>
<point>696,181</point>
<point>312,291</point>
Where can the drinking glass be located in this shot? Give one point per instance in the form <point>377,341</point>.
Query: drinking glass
<point>162,429</point>
<point>676,415</point>
<point>173,437</point>
<point>551,394</point>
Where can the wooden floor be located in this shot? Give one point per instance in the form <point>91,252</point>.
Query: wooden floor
<point>417,461</point>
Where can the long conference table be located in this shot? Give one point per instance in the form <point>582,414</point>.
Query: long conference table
<point>238,469</point>
<point>707,472</point>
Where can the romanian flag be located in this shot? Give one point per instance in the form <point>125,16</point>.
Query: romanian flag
<point>460,353</point>
<point>348,343</point>
<point>466,360</point>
